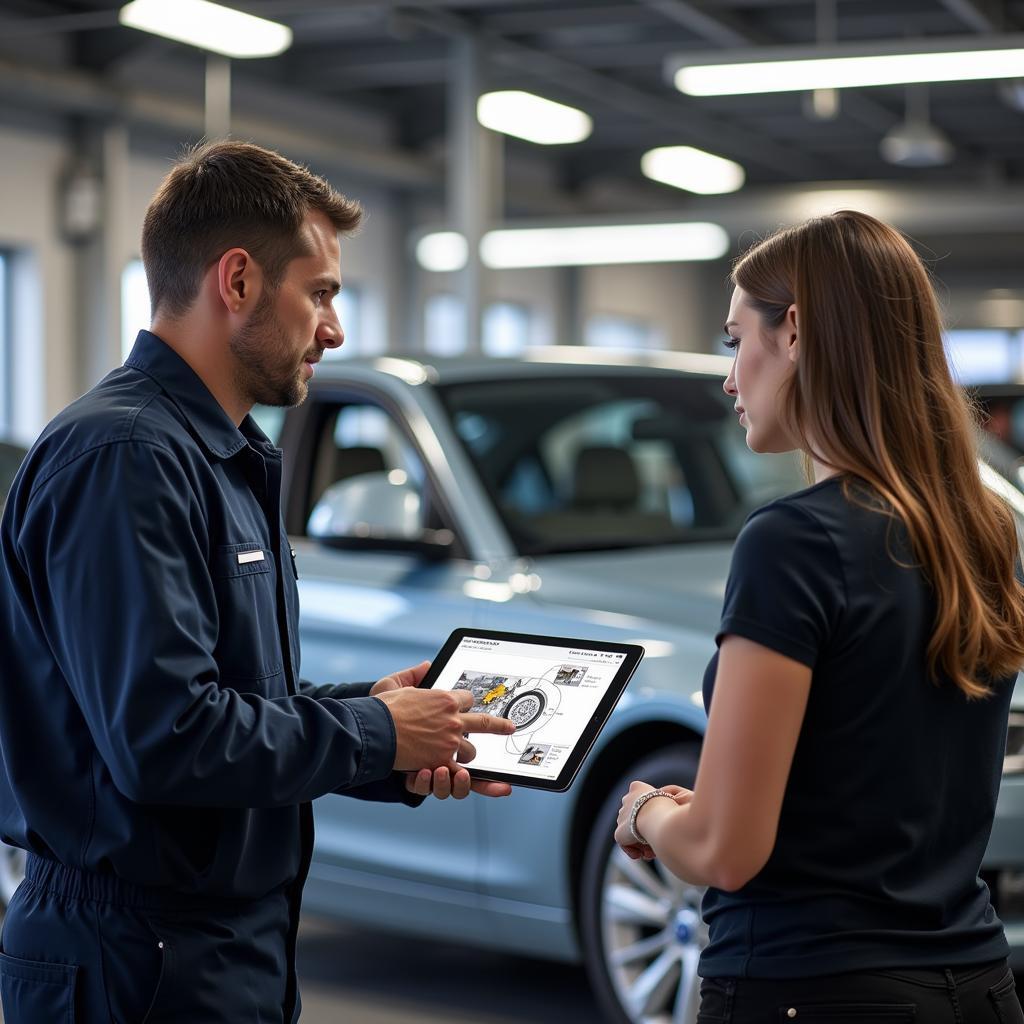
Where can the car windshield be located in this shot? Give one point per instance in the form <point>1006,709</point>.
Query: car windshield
<point>578,464</point>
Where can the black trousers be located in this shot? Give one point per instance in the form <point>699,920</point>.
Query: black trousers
<point>982,994</point>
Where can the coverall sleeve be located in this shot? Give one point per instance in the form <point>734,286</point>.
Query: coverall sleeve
<point>123,586</point>
<point>388,791</point>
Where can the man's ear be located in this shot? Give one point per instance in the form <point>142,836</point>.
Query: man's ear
<point>793,334</point>
<point>239,281</point>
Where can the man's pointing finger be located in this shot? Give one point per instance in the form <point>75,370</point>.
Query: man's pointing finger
<point>487,723</point>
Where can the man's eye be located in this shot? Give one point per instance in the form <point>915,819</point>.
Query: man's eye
<point>319,296</point>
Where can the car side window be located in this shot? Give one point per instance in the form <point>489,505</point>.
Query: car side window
<point>360,438</point>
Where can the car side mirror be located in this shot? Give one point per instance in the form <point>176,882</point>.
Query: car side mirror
<point>369,512</point>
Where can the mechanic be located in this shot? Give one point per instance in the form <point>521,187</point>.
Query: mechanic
<point>159,748</point>
<point>872,630</point>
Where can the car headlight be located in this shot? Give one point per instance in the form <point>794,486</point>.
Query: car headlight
<point>1013,763</point>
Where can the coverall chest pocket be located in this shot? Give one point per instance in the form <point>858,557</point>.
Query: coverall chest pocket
<point>248,645</point>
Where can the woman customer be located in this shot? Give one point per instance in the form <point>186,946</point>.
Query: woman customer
<point>872,629</point>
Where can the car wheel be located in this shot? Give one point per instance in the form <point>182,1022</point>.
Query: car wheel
<point>641,926</point>
<point>12,871</point>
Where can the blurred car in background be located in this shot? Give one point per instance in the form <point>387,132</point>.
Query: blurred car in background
<point>1000,409</point>
<point>574,493</point>
<point>577,493</point>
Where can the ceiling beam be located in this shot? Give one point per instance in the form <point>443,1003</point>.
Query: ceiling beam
<point>679,117</point>
<point>980,15</point>
<point>718,27</point>
<point>50,24</point>
<point>81,92</point>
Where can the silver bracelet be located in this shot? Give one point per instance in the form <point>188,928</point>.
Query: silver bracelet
<point>637,804</point>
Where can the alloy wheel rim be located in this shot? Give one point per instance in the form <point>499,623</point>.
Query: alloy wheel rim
<point>653,936</point>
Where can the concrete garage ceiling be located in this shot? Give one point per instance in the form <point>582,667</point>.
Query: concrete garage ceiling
<point>365,88</point>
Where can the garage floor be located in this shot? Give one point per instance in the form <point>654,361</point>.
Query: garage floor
<point>373,978</point>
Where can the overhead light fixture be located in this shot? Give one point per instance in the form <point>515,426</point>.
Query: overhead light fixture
<point>442,251</point>
<point>209,26</point>
<point>850,65</point>
<point>506,249</point>
<point>916,142</point>
<point>692,169</point>
<point>530,117</point>
<point>514,248</point>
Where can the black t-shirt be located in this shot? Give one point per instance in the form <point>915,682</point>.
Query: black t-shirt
<point>889,803</point>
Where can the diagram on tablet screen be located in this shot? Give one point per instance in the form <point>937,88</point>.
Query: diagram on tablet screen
<point>530,702</point>
<point>550,693</point>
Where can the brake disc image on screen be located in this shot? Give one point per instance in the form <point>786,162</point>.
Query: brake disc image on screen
<point>526,708</point>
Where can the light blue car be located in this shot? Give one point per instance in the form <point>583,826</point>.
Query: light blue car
<point>572,493</point>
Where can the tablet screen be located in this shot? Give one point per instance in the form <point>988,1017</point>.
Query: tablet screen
<point>552,693</point>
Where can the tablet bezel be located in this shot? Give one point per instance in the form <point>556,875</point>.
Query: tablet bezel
<point>574,761</point>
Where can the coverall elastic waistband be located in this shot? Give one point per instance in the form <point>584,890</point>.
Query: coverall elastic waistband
<point>72,883</point>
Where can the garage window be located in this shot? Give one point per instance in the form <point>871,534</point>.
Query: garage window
<point>348,304</point>
<point>444,325</point>
<point>135,314</point>
<point>506,329</point>
<point>984,357</point>
<point>606,331</point>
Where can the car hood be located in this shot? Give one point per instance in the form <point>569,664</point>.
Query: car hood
<point>677,585</point>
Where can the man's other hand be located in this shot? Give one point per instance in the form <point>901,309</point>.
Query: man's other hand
<point>406,677</point>
<point>452,781</point>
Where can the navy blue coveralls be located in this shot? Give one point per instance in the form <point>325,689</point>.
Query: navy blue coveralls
<point>159,751</point>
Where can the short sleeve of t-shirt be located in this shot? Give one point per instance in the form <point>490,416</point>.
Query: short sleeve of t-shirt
<point>786,589</point>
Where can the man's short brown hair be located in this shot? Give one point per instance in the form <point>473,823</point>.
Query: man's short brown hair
<point>226,194</point>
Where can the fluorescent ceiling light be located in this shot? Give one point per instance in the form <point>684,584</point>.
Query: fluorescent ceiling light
<point>531,117</point>
<point>692,169</point>
<point>442,251</point>
<point>792,69</point>
<point>586,246</point>
<point>208,26</point>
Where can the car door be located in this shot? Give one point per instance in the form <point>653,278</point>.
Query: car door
<point>366,612</point>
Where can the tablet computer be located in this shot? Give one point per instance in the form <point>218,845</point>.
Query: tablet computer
<point>558,691</point>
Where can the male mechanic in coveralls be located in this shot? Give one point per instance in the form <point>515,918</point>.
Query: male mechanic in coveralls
<point>159,750</point>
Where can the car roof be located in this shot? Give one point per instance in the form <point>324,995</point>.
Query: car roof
<point>540,361</point>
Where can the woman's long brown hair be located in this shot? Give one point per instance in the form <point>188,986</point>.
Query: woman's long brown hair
<point>873,395</point>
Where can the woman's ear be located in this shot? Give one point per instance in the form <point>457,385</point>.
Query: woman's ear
<point>793,334</point>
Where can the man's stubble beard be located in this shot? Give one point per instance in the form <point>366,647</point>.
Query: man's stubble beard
<point>262,355</point>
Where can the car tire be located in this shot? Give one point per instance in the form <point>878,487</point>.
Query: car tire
<point>641,929</point>
<point>12,871</point>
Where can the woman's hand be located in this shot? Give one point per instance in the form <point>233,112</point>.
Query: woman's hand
<point>623,836</point>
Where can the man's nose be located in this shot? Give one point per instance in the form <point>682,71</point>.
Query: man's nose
<point>329,332</point>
